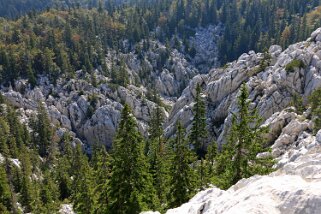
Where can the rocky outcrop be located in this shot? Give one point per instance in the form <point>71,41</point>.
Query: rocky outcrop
<point>66,209</point>
<point>271,85</point>
<point>89,108</point>
<point>88,113</point>
<point>292,188</point>
<point>157,67</point>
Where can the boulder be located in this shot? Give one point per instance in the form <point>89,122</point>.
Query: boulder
<point>66,209</point>
<point>101,128</point>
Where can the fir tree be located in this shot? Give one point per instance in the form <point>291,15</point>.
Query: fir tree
<point>101,167</point>
<point>198,132</point>
<point>82,186</point>
<point>130,188</point>
<point>181,172</point>
<point>5,194</point>
<point>49,193</point>
<point>28,193</point>
<point>158,156</point>
<point>212,151</point>
<point>42,127</point>
<point>315,103</point>
<point>64,168</point>
<point>4,134</point>
<point>239,156</point>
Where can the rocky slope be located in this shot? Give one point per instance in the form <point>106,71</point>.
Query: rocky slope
<point>293,188</point>
<point>91,113</point>
<point>90,109</point>
<point>270,85</point>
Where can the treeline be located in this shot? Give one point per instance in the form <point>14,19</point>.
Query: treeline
<point>56,43</point>
<point>41,171</point>
<point>15,8</point>
<point>59,42</point>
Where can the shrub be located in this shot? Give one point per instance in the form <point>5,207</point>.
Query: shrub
<point>315,103</point>
<point>296,63</point>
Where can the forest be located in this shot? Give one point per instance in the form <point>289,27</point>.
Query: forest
<point>39,171</point>
<point>60,42</point>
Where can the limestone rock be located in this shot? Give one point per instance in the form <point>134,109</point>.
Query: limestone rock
<point>102,126</point>
<point>270,89</point>
<point>66,209</point>
<point>291,189</point>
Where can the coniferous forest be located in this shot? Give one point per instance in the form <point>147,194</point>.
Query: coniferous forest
<point>39,171</point>
<point>137,174</point>
<point>62,41</point>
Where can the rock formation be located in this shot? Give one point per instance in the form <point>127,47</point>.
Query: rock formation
<point>270,84</point>
<point>290,189</point>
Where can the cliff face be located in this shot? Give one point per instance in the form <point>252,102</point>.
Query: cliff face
<point>271,84</point>
<point>89,105</point>
<point>293,187</point>
<point>92,112</point>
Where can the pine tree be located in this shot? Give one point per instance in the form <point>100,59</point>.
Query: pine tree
<point>100,6</point>
<point>198,132</point>
<point>123,78</point>
<point>297,102</point>
<point>239,156</point>
<point>130,188</point>
<point>181,172</point>
<point>16,132</point>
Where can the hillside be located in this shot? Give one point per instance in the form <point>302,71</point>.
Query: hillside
<point>127,106</point>
<point>292,188</point>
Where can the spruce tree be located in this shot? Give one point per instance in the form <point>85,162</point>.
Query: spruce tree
<point>28,192</point>
<point>101,166</point>
<point>64,168</point>
<point>5,194</point>
<point>4,134</point>
<point>43,129</point>
<point>130,188</point>
<point>82,187</point>
<point>181,172</point>
<point>49,193</point>
<point>198,133</point>
<point>212,151</point>
<point>158,156</point>
<point>239,156</point>
<point>315,103</point>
